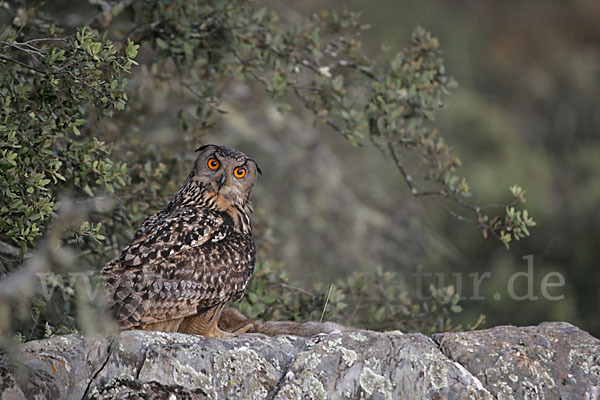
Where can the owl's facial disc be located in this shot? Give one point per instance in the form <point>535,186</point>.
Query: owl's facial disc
<point>229,173</point>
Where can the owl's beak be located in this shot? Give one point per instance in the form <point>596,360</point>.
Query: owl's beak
<point>222,181</point>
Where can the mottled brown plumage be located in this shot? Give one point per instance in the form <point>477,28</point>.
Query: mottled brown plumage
<point>187,260</point>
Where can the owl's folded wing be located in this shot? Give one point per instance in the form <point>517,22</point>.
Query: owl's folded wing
<point>176,264</point>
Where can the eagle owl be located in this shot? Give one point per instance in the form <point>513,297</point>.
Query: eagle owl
<point>187,260</point>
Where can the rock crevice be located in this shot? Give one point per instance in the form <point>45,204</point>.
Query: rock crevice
<point>99,370</point>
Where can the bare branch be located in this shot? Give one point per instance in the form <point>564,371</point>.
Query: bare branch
<point>417,192</point>
<point>361,68</point>
<point>22,64</point>
<point>407,178</point>
<point>98,91</point>
<point>25,47</point>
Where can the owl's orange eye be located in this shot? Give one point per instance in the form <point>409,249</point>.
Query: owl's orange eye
<point>239,172</point>
<point>213,163</point>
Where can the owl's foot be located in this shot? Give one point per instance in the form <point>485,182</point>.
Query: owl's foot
<point>214,331</point>
<point>243,329</point>
<point>207,324</point>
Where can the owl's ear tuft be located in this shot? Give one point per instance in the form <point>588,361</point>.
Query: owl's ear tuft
<point>257,167</point>
<point>202,148</point>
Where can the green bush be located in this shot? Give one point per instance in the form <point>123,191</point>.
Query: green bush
<point>375,301</point>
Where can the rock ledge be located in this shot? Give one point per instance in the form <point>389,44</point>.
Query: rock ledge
<point>548,361</point>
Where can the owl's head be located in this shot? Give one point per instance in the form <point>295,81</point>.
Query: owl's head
<point>229,174</point>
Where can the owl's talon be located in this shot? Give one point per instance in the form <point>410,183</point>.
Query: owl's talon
<point>221,334</point>
<point>243,329</point>
<point>218,333</point>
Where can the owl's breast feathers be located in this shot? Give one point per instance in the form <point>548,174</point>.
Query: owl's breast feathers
<point>238,209</point>
<point>179,260</point>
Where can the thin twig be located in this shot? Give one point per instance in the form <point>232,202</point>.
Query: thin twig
<point>298,289</point>
<point>326,302</point>
<point>18,46</point>
<point>22,64</point>
<point>39,71</point>
<point>441,193</point>
<point>407,178</point>
<point>455,214</point>
<point>191,89</point>
<point>361,68</point>
<point>85,83</point>
<point>45,39</point>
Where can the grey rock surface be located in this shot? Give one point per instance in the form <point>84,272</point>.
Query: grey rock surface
<point>549,361</point>
<point>553,360</point>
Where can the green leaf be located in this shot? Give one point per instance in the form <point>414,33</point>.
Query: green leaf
<point>338,82</point>
<point>252,298</point>
<point>132,49</point>
<point>161,44</point>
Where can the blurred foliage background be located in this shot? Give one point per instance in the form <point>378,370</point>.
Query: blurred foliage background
<point>525,112</point>
<point>340,235</point>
